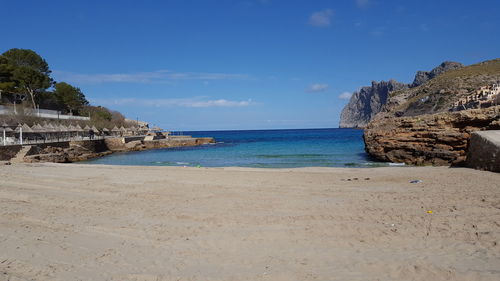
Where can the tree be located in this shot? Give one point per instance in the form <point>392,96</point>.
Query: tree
<point>6,82</point>
<point>69,97</point>
<point>31,72</point>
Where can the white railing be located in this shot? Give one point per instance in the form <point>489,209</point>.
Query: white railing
<point>42,113</point>
<point>31,140</point>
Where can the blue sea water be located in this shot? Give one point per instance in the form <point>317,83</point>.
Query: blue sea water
<point>258,148</point>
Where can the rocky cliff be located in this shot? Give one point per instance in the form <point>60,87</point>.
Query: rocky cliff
<point>423,76</point>
<point>437,139</point>
<point>368,101</point>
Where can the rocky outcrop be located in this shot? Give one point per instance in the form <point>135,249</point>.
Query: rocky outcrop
<point>484,151</point>
<point>367,102</point>
<point>67,152</point>
<point>438,139</point>
<point>423,76</point>
<point>74,151</point>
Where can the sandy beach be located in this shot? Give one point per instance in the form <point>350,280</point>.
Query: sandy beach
<point>90,222</point>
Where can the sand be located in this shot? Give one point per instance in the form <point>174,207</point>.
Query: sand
<point>90,222</point>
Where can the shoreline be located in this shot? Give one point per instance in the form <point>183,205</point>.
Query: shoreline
<point>108,222</point>
<point>72,151</point>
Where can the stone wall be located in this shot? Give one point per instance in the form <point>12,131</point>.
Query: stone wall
<point>438,139</point>
<point>484,151</point>
<point>201,141</point>
<point>130,139</point>
<point>164,143</point>
<point>115,144</point>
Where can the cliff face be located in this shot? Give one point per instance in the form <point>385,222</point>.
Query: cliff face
<point>423,76</point>
<point>367,102</point>
<point>437,139</point>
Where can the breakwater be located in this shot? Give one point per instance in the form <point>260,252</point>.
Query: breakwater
<point>74,151</point>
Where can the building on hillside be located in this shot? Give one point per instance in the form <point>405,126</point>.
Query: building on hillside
<point>485,96</point>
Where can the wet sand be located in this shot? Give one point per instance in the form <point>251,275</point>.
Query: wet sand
<point>90,222</point>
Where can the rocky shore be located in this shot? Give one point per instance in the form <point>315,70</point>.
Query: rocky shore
<point>74,151</point>
<point>437,139</point>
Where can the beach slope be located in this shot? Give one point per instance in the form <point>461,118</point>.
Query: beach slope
<point>90,222</point>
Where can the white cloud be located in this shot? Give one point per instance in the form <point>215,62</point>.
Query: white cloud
<point>179,102</point>
<point>362,3</point>
<point>160,76</point>
<point>315,88</point>
<point>345,95</point>
<point>321,18</point>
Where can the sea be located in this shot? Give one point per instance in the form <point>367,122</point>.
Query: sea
<point>259,149</point>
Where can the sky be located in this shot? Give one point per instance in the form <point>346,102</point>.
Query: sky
<point>244,64</point>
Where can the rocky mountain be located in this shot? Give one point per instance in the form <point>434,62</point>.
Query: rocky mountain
<point>423,76</point>
<point>368,101</point>
<point>443,91</point>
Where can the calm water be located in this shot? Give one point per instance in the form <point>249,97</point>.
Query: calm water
<point>262,148</point>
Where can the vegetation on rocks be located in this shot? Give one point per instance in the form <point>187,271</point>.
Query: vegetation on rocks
<point>439,93</point>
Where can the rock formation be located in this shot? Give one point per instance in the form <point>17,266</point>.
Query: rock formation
<point>437,139</point>
<point>367,102</point>
<point>423,76</point>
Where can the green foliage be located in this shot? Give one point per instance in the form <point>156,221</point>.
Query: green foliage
<point>69,97</point>
<point>97,112</point>
<point>30,79</point>
<point>28,71</point>
<point>6,82</point>
<point>27,58</point>
<point>102,117</point>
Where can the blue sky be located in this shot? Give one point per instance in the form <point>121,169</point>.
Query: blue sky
<point>244,64</point>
